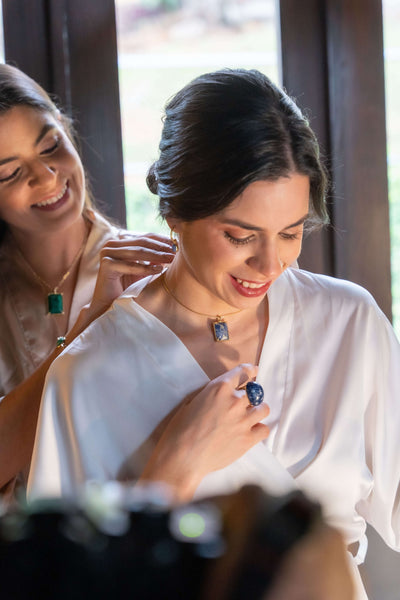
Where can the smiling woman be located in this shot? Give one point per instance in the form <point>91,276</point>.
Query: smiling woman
<point>148,393</point>
<point>52,246</point>
<point>229,260</point>
<point>36,150</point>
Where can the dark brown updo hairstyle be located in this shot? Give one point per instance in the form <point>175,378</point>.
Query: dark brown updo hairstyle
<point>17,89</point>
<point>225,130</point>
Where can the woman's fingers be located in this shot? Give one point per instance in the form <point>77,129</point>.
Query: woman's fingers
<point>124,261</point>
<point>212,429</point>
<point>257,413</point>
<point>238,376</point>
<point>150,248</point>
<point>260,432</point>
<point>208,432</point>
<point>157,237</point>
<point>115,267</point>
<point>236,380</point>
<point>138,254</point>
<point>151,241</point>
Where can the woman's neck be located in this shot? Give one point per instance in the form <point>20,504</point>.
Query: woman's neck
<point>51,254</point>
<point>246,328</point>
<point>185,288</point>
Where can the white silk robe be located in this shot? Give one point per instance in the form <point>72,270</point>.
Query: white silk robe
<point>330,368</point>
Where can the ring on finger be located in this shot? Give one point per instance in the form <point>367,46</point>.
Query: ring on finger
<point>255,393</point>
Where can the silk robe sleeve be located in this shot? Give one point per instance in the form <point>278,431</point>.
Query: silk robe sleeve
<point>382,430</point>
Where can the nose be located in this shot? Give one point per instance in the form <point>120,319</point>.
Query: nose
<point>267,260</point>
<point>41,173</point>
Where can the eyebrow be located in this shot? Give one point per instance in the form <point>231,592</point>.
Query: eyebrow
<point>39,138</point>
<point>243,225</point>
<point>43,132</point>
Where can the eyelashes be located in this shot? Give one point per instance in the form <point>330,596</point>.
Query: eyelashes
<point>290,236</point>
<point>52,148</point>
<point>238,241</point>
<point>11,176</point>
<point>46,152</point>
<point>243,241</point>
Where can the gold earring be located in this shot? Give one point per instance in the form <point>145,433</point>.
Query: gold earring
<point>174,240</point>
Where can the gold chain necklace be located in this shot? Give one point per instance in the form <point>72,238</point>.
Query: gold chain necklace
<point>219,325</point>
<point>55,303</point>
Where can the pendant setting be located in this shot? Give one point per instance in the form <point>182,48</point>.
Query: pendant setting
<point>220,329</point>
<point>55,304</point>
<point>255,393</point>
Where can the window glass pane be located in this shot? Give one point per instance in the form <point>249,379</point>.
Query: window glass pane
<point>162,45</point>
<point>391,17</point>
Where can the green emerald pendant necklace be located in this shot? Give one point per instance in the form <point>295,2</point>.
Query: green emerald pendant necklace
<point>55,303</point>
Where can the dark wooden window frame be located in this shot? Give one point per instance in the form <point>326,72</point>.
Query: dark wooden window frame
<point>332,62</point>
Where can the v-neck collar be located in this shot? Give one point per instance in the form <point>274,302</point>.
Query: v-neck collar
<point>155,331</point>
<point>274,363</point>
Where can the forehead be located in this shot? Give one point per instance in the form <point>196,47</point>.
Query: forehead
<point>271,203</point>
<point>22,123</point>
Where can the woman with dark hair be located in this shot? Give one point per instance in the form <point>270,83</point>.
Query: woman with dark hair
<point>51,244</point>
<point>162,386</point>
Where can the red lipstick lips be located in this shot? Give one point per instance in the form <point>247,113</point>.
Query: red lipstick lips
<point>250,289</point>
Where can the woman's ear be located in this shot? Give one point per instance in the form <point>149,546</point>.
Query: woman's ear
<point>173,224</point>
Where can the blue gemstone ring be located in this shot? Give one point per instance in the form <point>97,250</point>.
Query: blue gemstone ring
<point>255,393</point>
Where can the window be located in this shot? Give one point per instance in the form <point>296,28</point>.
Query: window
<point>162,45</point>
<point>391,20</point>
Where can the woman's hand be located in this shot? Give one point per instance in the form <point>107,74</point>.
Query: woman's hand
<point>207,432</point>
<point>125,261</point>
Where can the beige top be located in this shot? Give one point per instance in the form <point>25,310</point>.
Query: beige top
<point>27,333</point>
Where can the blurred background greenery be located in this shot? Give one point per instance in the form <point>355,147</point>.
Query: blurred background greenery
<point>162,45</point>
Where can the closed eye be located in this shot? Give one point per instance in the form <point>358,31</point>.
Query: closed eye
<point>238,241</point>
<point>13,175</point>
<point>291,236</point>
<point>52,148</point>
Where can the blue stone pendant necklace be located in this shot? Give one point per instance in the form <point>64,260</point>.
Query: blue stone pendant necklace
<point>219,325</point>
<point>55,303</point>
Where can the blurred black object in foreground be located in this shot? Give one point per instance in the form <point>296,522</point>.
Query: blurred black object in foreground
<point>118,543</point>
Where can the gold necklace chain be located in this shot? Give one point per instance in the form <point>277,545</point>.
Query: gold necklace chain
<point>218,317</point>
<point>63,278</point>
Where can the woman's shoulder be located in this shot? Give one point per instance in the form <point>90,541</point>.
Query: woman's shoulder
<point>339,308</point>
<point>326,287</point>
<point>107,343</point>
<point>102,225</point>
<point>116,329</point>
<point>332,300</point>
